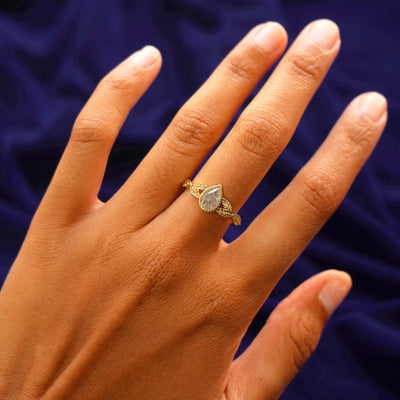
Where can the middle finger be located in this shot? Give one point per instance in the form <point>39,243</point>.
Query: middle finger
<point>265,126</point>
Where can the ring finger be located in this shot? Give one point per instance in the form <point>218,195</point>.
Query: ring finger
<point>265,127</point>
<point>198,125</point>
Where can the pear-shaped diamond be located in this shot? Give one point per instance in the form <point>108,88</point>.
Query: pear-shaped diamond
<point>210,198</point>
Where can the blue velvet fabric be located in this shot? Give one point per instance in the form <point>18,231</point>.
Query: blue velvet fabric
<point>52,54</point>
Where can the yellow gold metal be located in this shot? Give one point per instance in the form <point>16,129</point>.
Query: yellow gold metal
<point>218,203</point>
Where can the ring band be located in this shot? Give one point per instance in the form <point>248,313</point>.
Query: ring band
<point>211,199</point>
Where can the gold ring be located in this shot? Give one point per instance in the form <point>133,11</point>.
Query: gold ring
<point>211,199</point>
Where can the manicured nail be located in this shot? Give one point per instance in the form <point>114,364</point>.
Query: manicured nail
<point>334,291</point>
<point>145,57</point>
<point>373,105</point>
<point>269,37</point>
<point>324,32</point>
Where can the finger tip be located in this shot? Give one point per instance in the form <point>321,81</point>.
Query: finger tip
<point>270,36</point>
<point>338,275</point>
<point>327,25</point>
<point>156,49</point>
<point>280,32</point>
<point>335,288</point>
<point>156,52</point>
<point>372,105</point>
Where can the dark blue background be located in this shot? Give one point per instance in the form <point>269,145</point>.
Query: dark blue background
<point>52,54</point>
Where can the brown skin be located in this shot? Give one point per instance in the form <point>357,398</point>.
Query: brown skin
<point>140,297</point>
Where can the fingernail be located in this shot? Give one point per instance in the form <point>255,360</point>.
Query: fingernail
<point>269,37</point>
<point>324,32</point>
<point>373,105</point>
<point>145,57</point>
<point>334,291</point>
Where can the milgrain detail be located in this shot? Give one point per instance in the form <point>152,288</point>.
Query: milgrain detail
<point>217,203</point>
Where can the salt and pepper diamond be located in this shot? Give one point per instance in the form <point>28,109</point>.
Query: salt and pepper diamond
<point>210,198</point>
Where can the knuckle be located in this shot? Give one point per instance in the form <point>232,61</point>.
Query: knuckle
<point>218,305</point>
<point>304,337</point>
<point>91,130</point>
<point>191,128</point>
<point>115,83</point>
<point>235,391</point>
<point>114,240</point>
<point>166,259</point>
<point>260,135</point>
<point>222,301</point>
<point>319,191</point>
<point>306,65</point>
<point>361,133</point>
<point>240,67</point>
<point>166,270</point>
<point>214,297</point>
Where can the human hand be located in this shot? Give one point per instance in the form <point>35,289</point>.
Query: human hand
<point>140,297</point>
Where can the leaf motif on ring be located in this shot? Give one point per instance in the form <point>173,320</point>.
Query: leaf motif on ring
<point>236,219</point>
<point>194,189</point>
<point>226,210</point>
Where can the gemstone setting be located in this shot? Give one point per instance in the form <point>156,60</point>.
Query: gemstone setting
<point>210,198</point>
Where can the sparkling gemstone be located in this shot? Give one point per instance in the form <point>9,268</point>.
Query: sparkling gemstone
<point>210,198</point>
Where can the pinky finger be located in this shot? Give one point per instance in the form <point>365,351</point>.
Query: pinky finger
<point>288,339</point>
